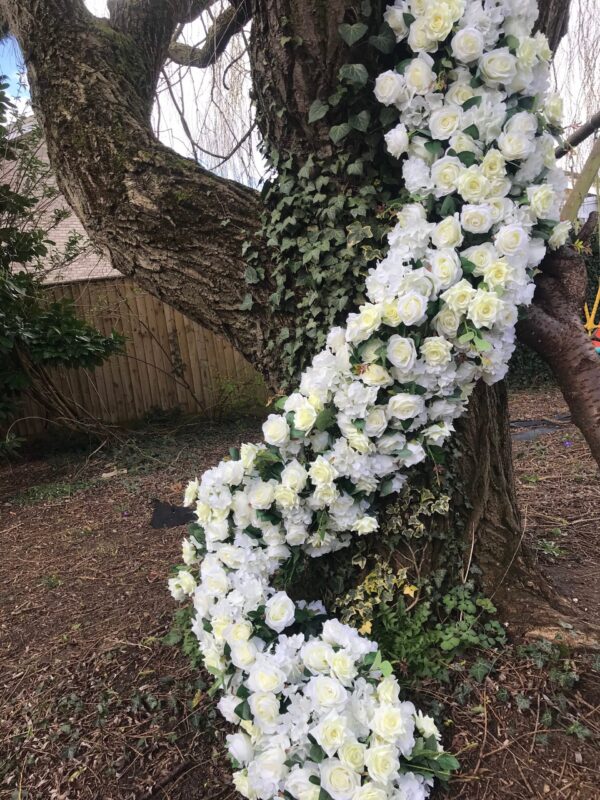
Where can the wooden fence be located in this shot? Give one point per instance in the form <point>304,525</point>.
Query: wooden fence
<point>169,361</point>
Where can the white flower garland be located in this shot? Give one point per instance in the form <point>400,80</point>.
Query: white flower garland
<point>319,712</point>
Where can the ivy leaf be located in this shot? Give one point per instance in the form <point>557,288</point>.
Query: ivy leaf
<point>355,74</point>
<point>246,303</point>
<point>251,275</point>
<point>355,168</point>
<point>352,33</point>
<point>360,122</point>
<point>357,232</point>
<point>339,132</point>
<point>472,102</point>
<point>385,41</point>
<point>317,111</point>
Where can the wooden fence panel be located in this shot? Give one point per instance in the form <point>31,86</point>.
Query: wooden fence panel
<point>169,361</point>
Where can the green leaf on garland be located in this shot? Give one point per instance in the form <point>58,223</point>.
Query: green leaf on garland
<point>325,419</point>
<point>434,147</point>
<point>468,266</point>
<point>317,111</point>
<point>467,158</point>
<point>448,206</point>
<point>316,753</point>
<point>243,710</point>
<point>472,131</point>
<point>352,33</point>
<point>472,102</point>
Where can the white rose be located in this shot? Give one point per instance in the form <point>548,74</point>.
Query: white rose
<point>338,780</point>
<point>369,791</point>
<point>352,754</point>
<point>554,108</point>
<point>559,235</point>
<point>515,146</point>
<point>294,476</point>
<point>481,255</point>
<point>445,267</point>
<point>542,200</point>
<point>382,763</point>
<point>419,38</point>
<point>527,53</point>
<point>426,726</point>
<point>243,654</point>
<point>188,553</point>
<point>472,185</point>
<point>191,493</point>
<point>390,314</point>
<point>446,321</point>
<point>285,497</point>
<point>476,218</point>
<point>498,66</point>
<point>362,325</point>
<point>493,164</point>
<point>239,631</point>
<point>458,93</point>
<point>182,586</point>
<point>279,612</point>
<point>438,21</point>
<point>240,747</point>
<point>447,233</point>
<point>305,417</point>
<point>316,654</point>
<point>388,87</point>
<point>242,784</point>
<point>375,422</point>
<point>436,351</point>
<point>459,296</point>
<point>511,239</point>
<point>445,173</point>
<point>394,17</point>
<point>388,722</point>
<point>265,710</point>
<point>405,405</point>
<point>247,455</point>
<point>463,143</point>
<point>365,525</point>
<point>326,692</point>
<point>397,140</point>
<point>401,352</point>
<point>445,121</point>
<point>467,45</point>
<point>418,74</point>
<point>276,430</point>
<point>484,308</point>
<point>412,308</point>
<point>322,471</point>
<point>496,274</point>
<point>522,122</point>
<point>388,690</point>
<point>330,732</point>
<point>261,495</point>
<point>376,375</point>
<point>299,786</point>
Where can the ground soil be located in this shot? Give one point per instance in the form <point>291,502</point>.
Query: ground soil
<point>96,706</point>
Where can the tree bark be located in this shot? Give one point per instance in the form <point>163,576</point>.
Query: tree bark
<point>178,230</point>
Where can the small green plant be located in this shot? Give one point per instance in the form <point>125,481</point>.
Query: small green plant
<point>52,581</point>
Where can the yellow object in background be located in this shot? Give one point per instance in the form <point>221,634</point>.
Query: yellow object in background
<point>590,323</point>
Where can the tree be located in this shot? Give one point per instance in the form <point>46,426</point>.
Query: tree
<point>34,333</point>
<point>258,268</point>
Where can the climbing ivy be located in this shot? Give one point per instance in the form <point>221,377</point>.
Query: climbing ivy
<point>326,218</point>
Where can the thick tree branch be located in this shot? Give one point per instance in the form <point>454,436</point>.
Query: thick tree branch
<point>578,136</point>
<point>225,27</point>
<point>586,178</point>
<point>554,329</point>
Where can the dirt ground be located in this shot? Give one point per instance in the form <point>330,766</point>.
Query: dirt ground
<point>95,706</point>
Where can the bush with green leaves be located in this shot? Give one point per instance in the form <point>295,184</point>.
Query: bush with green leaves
<point>34,331</point>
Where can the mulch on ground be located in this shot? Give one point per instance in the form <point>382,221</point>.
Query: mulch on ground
<point>94,705</point>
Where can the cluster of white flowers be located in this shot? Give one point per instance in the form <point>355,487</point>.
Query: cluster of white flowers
<point>319,712</point>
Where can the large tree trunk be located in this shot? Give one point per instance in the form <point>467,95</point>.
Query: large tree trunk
<point>178,231</point>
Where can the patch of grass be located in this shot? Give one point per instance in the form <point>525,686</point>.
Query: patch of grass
<point>49,491</point>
